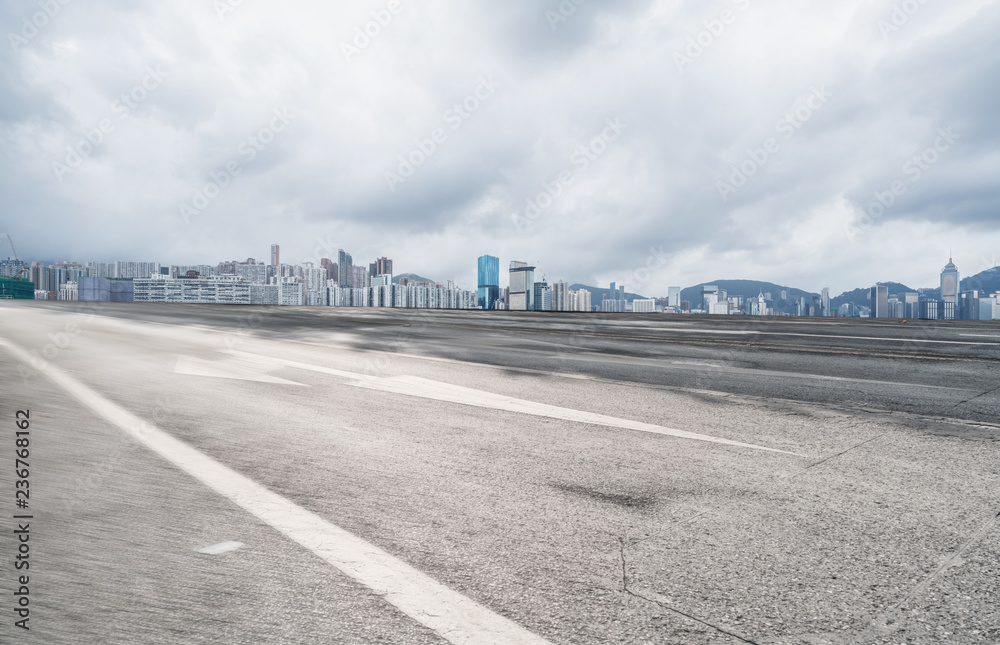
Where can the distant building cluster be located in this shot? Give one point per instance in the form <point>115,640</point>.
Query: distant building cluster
<point>340,282</point>
<point>523,293</point>
<point>249,282</point>
<point>951,303</point>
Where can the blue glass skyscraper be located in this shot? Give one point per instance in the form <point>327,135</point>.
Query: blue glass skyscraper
<point>489,281</point>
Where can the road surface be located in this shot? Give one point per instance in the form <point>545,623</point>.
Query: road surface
<point>386,476</point>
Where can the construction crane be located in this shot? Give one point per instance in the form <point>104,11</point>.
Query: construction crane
<point>21,269</point>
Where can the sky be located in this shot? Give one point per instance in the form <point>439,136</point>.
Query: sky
<point>812,144</point>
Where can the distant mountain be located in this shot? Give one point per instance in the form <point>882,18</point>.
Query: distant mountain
<point>751,289</point>
<point>411,276</point>
<point>859,297</point>
<point>597,294</point>
<point>988,281</point>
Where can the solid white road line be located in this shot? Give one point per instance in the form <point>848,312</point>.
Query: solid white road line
<point>453,616</point>
<point>438,391</point>
<point>751,332</point>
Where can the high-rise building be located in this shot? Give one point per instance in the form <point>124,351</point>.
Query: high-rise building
<point>383,266</point>
<point>11,268</point>
<point>330,267</point>
<point>949,282</point>
<point>759,306</point>
<point>252,273</point>
<point>522,286</point>
<point>361,278</point>
<point>489,281</point>
<point>674,297</point>
<point>709,296</point>
<point>911,304</point>
<point>560,297</point>
<point>644,306</point>
<point>345,269</point>
<point>878,299</point>
<point>826,302</point>
<point>543,296</point>
<point>275,255</point>
<point>133,270</point>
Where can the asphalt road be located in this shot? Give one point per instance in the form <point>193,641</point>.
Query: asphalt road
<point>432,477</point>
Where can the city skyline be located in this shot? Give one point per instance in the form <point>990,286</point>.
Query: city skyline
<point>342,283</point>
<point>849,161</point>
<point>936,281</point>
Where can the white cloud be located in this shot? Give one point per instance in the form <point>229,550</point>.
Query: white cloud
<point>655,186</point>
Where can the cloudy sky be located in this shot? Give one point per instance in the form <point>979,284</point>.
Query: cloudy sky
<point>651,142</point>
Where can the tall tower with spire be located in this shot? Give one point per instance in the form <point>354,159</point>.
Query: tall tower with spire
<point>949,282</point>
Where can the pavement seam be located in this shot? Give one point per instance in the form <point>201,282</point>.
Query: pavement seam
<point>664,603</point>
<point>880,626</point>
<point>987,393</point>
<point>834,456</point>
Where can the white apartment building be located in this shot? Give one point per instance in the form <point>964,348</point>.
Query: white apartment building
<point>252,273</point>
<point>224,290</point>
<point>409,296</point>
<point>264,294</point>
<point>644,306</point>
<point>69,291</point>
<point>134,270</point>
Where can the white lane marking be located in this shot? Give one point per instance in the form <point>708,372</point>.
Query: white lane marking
<point>436,390</point>
<point>427,389</point>
<point>243,370</point>
<point>694,365</point>
<point>453,616</point>
<point>981,335</point>
<point>219,549</point>
<point>744,332</point>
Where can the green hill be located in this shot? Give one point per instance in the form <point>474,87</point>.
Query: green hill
<point>597,294</point>
<point>751,289</point>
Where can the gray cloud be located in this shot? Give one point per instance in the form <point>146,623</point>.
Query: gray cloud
<point>656,185</point>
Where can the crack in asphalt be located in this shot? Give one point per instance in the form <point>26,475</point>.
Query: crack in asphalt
<point>987,393</point>
<point>627,589</point>
<point>842,452</point>
<point>880,624</point>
